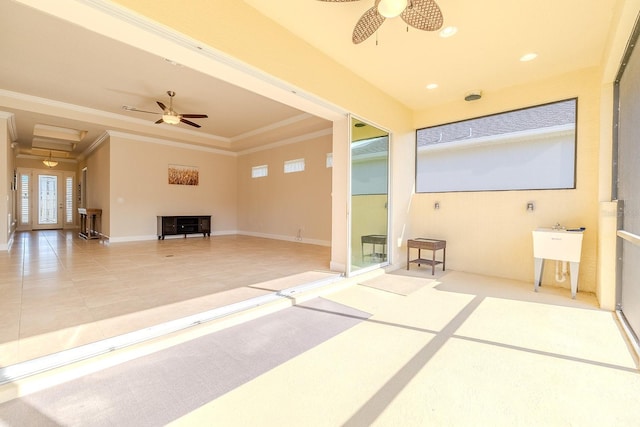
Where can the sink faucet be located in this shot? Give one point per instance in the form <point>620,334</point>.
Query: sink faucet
<point>558,227</point>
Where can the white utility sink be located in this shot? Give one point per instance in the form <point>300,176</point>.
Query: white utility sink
<point>560,245</point>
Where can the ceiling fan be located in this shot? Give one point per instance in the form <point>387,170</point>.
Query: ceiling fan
<point>169,115</point>
<point>421,14</point>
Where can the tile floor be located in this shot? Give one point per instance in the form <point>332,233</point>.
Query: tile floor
<point>461,350</point>
<point>59,291</point>
<point>456,349</point>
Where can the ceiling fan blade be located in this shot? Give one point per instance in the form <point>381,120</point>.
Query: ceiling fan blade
<point>139,111</point>
<point>159,121</point>
<point>189,123</point>
<point>423,14</point>
<point>161,105</point>
<point>367,25</point>
<point>195,116</point>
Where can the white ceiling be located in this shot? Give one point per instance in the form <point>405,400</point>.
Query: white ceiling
<point>57,73</point>
<point>492,35</point>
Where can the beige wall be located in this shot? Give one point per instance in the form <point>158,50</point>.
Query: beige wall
<point>139,189</point>
<point>293,206</point>
<point>490,232</point>
<point>98,183</point>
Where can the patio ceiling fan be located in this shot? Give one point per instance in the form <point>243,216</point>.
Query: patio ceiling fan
<point>169,115</point>
<point>421,14</point>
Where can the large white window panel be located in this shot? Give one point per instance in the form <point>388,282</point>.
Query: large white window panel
<point>528,149</point>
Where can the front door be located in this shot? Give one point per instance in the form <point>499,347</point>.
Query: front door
<point>49,205</point>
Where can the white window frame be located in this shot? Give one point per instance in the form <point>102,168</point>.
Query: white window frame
<point>293,166</point>
<point>532,148</point>
<point>260,171</point>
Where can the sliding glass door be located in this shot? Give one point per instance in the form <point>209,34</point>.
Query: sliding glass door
<point>369,227</point>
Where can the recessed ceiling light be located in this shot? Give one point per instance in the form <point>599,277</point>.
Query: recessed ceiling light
<point>448,31</point>
<point>528,57</point>
<point>431,86</point>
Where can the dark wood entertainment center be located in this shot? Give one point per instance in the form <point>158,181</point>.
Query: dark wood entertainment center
<point>174,225</point>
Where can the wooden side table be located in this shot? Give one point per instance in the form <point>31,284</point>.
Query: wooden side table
<point>375,239</point>
<point>429,244</point>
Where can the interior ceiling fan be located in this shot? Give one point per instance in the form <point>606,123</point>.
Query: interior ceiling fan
<point>169,115</point>
<point>421,14</point>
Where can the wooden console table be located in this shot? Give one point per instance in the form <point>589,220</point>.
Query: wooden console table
<point>429,244</point>
<point>90,223</point>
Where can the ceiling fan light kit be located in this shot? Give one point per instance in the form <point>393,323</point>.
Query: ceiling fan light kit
<point>170,119</point>
<point>49,162</point>
<point>391,8</point>
<point>169,115</point>
<point>423,15</point>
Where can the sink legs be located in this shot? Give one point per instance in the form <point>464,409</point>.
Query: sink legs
<point>538,267</point>
<point>574,267</point>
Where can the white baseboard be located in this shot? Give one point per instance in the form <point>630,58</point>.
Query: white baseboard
<point>221,233</point>
<point>286,238</point>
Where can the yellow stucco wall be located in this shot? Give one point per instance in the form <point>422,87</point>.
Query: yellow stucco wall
<point>490,232</point>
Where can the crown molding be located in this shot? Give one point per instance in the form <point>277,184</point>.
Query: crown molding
<point>295,139</point>
<point>11,124</point>
<point>273,126</point>
<point>95,144</point>
<point>160,141</point>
